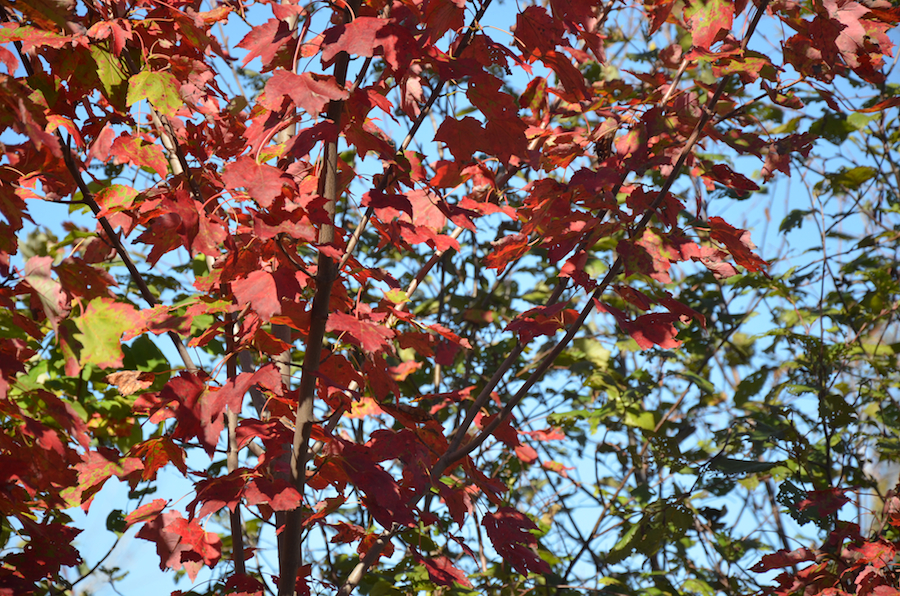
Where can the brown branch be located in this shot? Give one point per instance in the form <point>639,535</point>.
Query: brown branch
<point>237,530</point>
<point>325,278</point>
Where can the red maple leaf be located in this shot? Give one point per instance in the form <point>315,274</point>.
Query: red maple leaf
<point>168,545</point>
<point>368,36</point>
<point>137,151</point>
<point>102,144</point>
<point>542,320</point>
<point>571,78</point>
<point>383,496</point>
<point>537,33</point>
<point>443,572</point>
<point>877,553</point>
<point>277,494</point>
<point>259,291</point>
<point>146,512</point>
<point>823,502</point>
<point>244,585</point>
<point>157,453</point>
<point>722,174</point>
<point>371,337</point>
<point>507,249</point>
<point>738,243</point>
<point>346,532</point>
<point>442,16</point>
<point>265,41</point>
<point>387,206</point>
<point>784,558</point>
<point>263,182</point>
<point>207,545</point>
<point>308,91</point>
<point>192,411</point>
<point>707,18</point>
<point>463,137</point>
<point>512,535</point>
<point>647,330</point>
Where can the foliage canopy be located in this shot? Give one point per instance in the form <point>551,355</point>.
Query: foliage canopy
<point>449,297</point>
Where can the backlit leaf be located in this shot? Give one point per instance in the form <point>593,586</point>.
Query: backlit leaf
<point>161,89</point>
<point>101,327</point>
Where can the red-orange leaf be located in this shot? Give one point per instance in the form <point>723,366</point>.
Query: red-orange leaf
<point>308,91</point>
<point>265,41</point>
<point>263,182</point>
<point>511,534</point>
<point>136,151</point>
<point>707,18</point>
<point>368,36</point>
<point>442,571</point>
<point>507,249</point>
<point>146,512</point>
<point>370,336</point>
<point>259,291</point>
<point>738,243</point>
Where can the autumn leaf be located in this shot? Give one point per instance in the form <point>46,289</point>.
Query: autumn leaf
<point>32,37</point>
<point>824,502</point>
<point>135,150</point>
<point>263,182</point>
<point>177,539</point>
<point>542,320</point>
<point>511,533</point>
<point>442,16</point>
<point>537,33</point>
<point>158,452</point>
<point>278,494</point>
<point>259,291</point>
<point>738,243</point>
<point>114,199</point>
<point>784,558</point>
<point>102,325</point>
<point>443,572</point>
<point>506,250</point>
<point>49,291</point>
<point>265,41</point>
<point>647,330</point>
<point>159,88</point>
<point>463,137</point>
<point>370,336</point>
<point>146,512</point>
<point>98,466</point>
<point>368,36</point>
<point>308,91</point>
<point>130,381</point>
<point>706,18</point>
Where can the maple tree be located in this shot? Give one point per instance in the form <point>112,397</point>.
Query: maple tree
<point>401,355</point>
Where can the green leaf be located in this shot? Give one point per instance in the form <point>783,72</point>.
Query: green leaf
<point>626,544</point>
<point>794,219</point>
<point>102,325</point>
<point>159,88</point>
<point>853,178</point>
<point>115,521</point>
<point>701,383</point>
<point>728,465</point>
<point>750,386</point>
<point>639,419</point>
<point>859,121</point>
<point>112,76</point>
